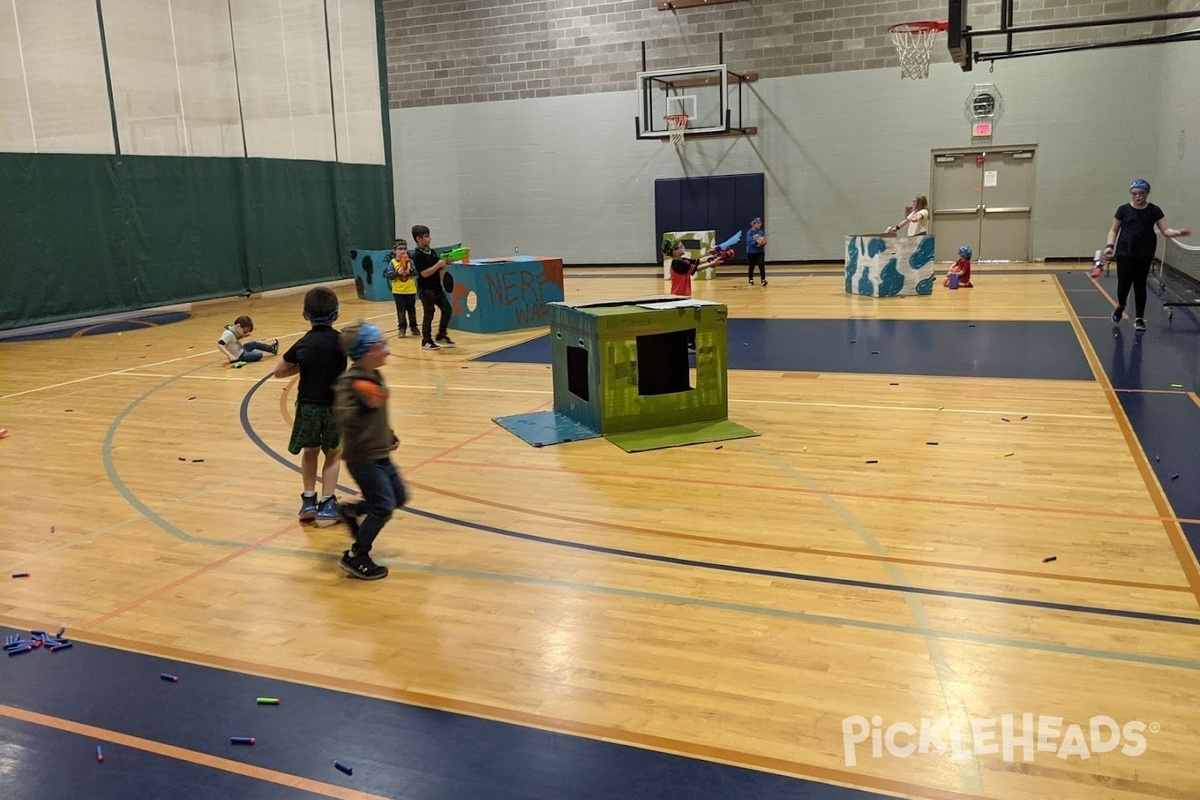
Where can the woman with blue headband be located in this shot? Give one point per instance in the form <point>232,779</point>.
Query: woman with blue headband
<point>1131,241</point>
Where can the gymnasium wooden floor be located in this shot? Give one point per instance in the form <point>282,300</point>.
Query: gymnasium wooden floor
<point>731,604</point>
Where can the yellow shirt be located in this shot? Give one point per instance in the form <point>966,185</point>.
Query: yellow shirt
<point>406,284</point>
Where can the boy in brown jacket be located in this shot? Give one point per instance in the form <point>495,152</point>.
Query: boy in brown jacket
<point>360,409</point>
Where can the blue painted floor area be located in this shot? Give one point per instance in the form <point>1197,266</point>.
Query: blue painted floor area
<point>97,328</point>
<point>1165,419</point>
<point>44,763</point>
<point>905,347</point>
<point>395,749</point>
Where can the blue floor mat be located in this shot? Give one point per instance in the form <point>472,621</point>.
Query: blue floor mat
<point>541,428</point>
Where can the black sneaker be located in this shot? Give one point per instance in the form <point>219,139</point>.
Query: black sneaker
<point>752,281</point>
<point>362,567</point>
<point>1118,312</point>
<point>429,344</point>
<point>1139,324</point>
<point>274,347</point>
<point>764,281</point>
<point>444,340</point>
<point>415,331</point>
<point>402,331</point>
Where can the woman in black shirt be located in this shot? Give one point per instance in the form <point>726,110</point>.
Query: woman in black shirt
<point>1135,222</point>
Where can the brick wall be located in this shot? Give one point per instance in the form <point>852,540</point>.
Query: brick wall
<point>444,53</point>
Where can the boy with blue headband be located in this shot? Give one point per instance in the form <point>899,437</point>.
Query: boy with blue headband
<point>360,408</point>
<point>318,358</point>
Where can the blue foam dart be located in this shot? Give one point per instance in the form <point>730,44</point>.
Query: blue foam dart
<point>731,241</point>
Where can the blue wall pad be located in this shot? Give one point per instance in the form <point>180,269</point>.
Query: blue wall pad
<point>542,428</point>
<point>905,347</point>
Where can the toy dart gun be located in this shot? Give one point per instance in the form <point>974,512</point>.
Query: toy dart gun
<point>724,251</point>
<point>459,253</point>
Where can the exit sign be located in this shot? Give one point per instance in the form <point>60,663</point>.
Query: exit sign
<point>981,129</point>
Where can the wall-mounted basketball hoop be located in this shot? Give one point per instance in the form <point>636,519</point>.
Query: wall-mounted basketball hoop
<point>914,45</point>
<point>677,127</point>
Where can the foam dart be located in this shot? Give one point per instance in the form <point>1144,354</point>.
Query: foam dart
<point>346,768</point>
<point>19,650</point>
<point>99,755</point>
<point>1176,385</point>
<point>1048,559</point>
<point>20,574</point>
<point>61,631</point>
<point>56,647</point>
<point>248,740</point>
<point>267,701</point>
<point>1009,455</point>
<point>169,677</point>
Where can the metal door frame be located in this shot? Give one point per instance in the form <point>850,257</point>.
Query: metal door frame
<point>972,153</point>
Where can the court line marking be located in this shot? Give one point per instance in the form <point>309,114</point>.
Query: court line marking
<point>800,549</point>
<point>982,504</point>
<point>205,352</point>
<point>1195,398</point>
<point>190,756</point>
<point>509,716</point>
<point>1174,533</point>
<point>454,521</point>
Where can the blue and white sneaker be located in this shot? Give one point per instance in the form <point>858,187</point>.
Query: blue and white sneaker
<point>308,508</point>
<point>328,512</point>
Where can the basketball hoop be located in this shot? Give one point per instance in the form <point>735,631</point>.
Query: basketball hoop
<point>914,44</point>
<point>677,125</point>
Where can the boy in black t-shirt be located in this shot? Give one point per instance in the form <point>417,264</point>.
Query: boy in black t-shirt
<point>318,358</point>
<point>1135,222</point>
<point>429,268</point>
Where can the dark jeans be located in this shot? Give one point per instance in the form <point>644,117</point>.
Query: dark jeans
<point>253,351</point>
<point>406,306</point>
<point>429,299</point>
<point>1132,272</point>
<point>383,492</point>
<point>759,260</point>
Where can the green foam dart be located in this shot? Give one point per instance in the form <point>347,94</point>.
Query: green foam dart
<point>268,701</point>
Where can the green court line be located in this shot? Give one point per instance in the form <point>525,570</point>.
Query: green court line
<point>739,608</point>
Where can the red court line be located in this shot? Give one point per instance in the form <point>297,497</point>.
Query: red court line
<point>190,576</point>
<point>1171,525</point>
<point>183,754</point>
<point>530,719</point>
<point>1070,512</point>
<point>609,525</point>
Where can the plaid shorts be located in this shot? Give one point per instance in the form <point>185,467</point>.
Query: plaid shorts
<point>314,427</point>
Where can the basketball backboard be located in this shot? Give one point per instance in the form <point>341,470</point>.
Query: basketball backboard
<point>702,93</point>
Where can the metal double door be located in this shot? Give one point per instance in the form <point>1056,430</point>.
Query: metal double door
<point>983,198</point>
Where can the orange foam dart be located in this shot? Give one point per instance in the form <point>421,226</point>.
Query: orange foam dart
<point>371,393</point>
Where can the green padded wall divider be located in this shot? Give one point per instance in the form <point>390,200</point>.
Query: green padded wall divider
<point>84,235</point>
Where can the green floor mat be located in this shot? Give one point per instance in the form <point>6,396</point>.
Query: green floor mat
<point>678,435</point>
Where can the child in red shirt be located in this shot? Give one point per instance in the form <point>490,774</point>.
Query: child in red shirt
<point>682,267</point>
<point>961,268</point>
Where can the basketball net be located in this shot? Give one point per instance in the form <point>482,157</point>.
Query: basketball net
<point>677,125</point>
<point>914,44</point>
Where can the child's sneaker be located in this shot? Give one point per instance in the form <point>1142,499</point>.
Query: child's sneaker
<point>308,508</point>
<point>402,331</point>
<point>429,344</point>
<point>274,345</point>
<point>1117,314</point>
<point>764,281</point>
<point>328,512</point>
<point>752,281</point>
<point>362,567</point>
<point>445,341</point>
<point>1139,325</point>
<point>415,331</point>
